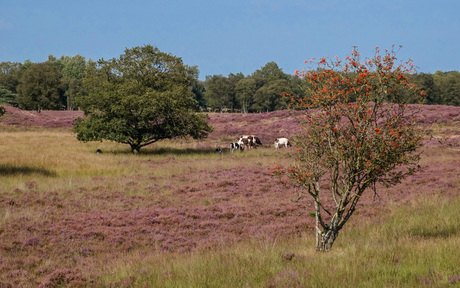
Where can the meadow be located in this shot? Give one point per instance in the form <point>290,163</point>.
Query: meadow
<point>180,215</point>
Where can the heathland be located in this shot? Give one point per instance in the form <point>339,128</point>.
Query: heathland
<point>180,215</point>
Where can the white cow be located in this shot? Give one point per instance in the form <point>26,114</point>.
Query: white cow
<point>280,142</point>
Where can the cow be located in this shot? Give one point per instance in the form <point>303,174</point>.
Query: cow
<point>98,151</point>
<point>236,146</point>
<point>249,141</point>
<point>244,142</point>
<point>280,142</point>
<point>218,151</point>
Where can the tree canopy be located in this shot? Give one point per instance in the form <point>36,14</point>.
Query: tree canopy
<point>9,75</point>
<point>448,85</point>
<point>140,98</point>
<point>269,97</point>
<point>39,87</point>
<point>220,93</point>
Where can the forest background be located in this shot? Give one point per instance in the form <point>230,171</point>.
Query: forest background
<point>55,83</point>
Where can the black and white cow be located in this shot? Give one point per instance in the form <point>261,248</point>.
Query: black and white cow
<point>249,141</point>
<point>236,146</point>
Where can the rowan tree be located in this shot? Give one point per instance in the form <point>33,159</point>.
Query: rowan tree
<point>138,99</point>
<point>356,132</point>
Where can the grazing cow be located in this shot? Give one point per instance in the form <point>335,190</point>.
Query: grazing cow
<point>98,151</point>
<point>249,141</point>
<point>235,146</point>
<point>257,141</point>
<point>219,150</point>
<point>280,142</point>
<point>244,142</point>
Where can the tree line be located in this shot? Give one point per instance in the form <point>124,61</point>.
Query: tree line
<point>57,82</point>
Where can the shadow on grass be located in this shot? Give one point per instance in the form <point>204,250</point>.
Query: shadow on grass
<point>169,151</point>
<point>437,232</point>
<point>8,170</point>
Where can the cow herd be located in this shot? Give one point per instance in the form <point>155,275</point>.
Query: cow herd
<point>252,141</point>
<point>245,142</point>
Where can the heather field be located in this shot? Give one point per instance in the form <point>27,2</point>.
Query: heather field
<point>180,215</point>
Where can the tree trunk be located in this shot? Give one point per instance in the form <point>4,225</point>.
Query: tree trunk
<point>135,148</point>
<point>327,240</point>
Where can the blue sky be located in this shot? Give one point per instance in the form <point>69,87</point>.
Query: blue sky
<point>223,37</point>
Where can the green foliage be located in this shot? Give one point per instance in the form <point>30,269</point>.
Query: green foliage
<point>274,83</point>
<point>220,93</point>
<point>426,82</point>
<point>73,71</point>
<point>449,85</point>
<point>260,92</point>
<point>9,75</point>
<point>7,97</point>
<point>138,99</point>
<point>270,72</point>
<point>73,67</point>
<point>39,87</point>
<point>245,91</point>
<point>72,87</point>
<point>197,86</point>
<point>269,97</point>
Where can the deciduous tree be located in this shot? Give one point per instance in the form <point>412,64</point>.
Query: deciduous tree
<point>140,98</point>
<point>73,72</point>
<point>197,86</point>
<point>426,82</point>
<point>353,145</point>
<point>9,75</point>
<point>245,91</point>
<point>270,72</point>
<point>39,87</point>
<point>220,92</point>
<point>449,85</point>
<point>269,97</point>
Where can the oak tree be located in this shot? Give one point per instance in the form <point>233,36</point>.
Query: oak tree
<point>140,98</point>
